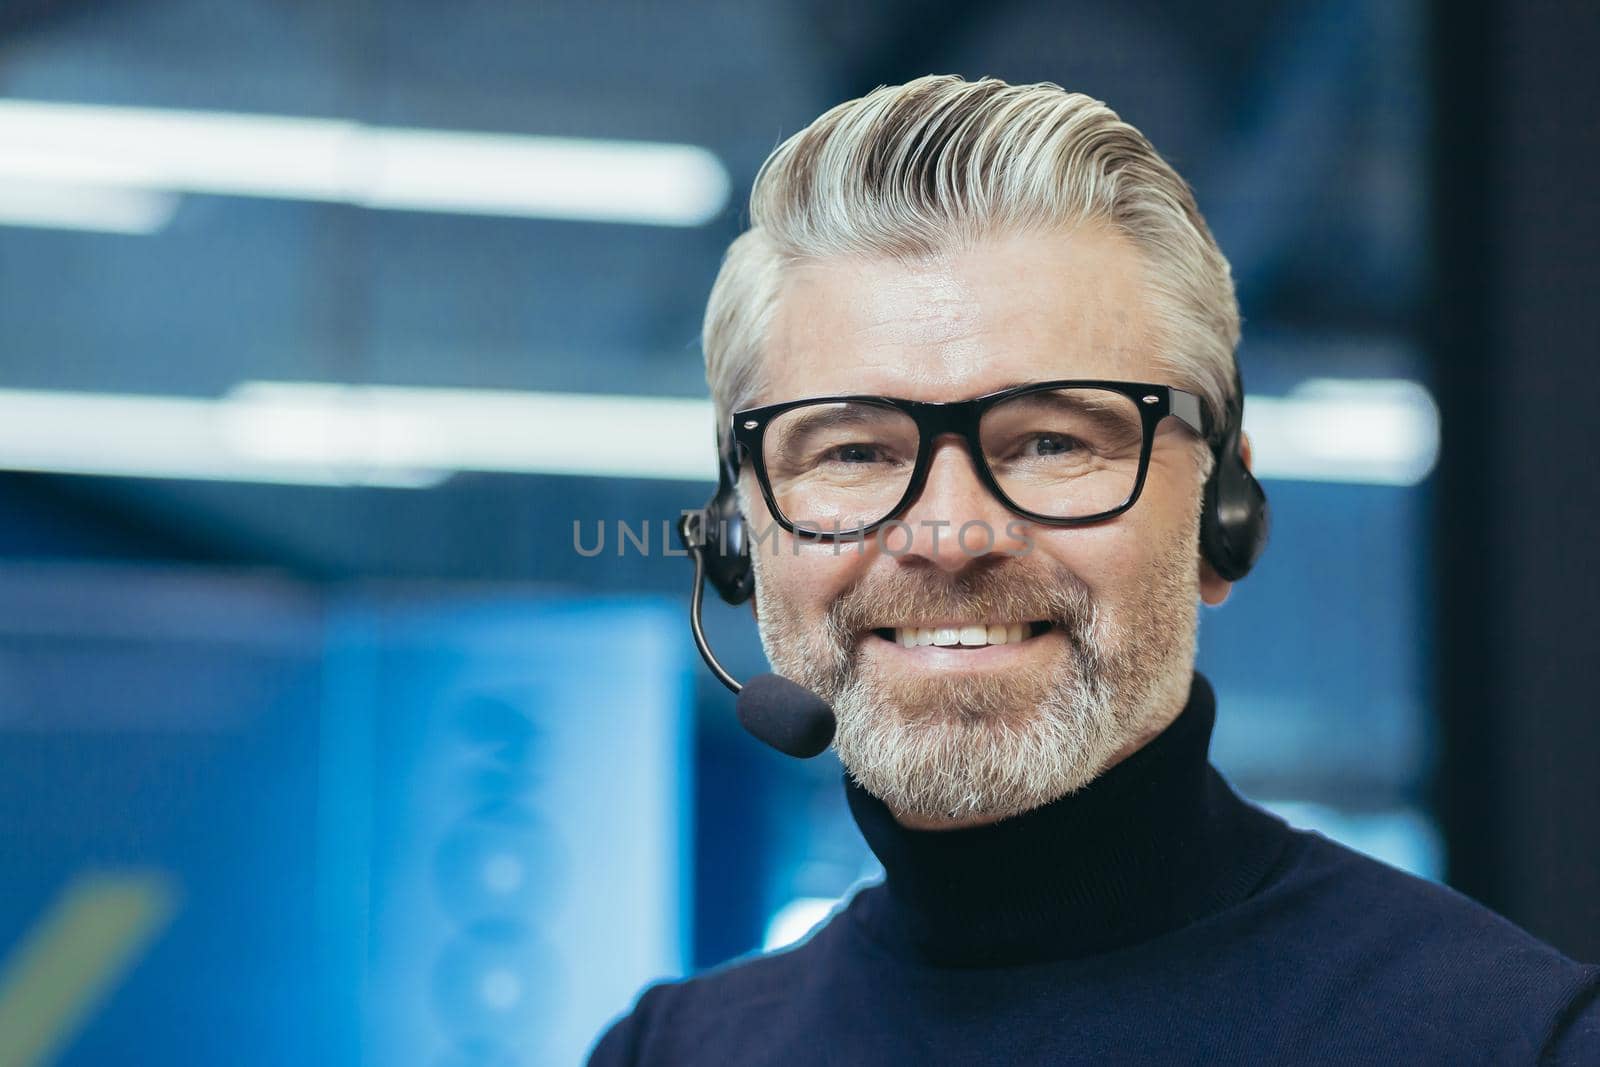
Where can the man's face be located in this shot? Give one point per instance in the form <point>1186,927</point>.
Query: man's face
<point>955,734</point>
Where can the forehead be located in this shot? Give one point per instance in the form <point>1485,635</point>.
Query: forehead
<point>1023,308</point>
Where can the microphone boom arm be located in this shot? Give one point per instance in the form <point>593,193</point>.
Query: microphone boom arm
<point>695,626</point>
<point>776,711</point>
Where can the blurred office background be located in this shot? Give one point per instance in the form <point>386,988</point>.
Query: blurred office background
<point>336,338</point>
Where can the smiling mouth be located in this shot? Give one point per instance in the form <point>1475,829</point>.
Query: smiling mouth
<point>967,635</point>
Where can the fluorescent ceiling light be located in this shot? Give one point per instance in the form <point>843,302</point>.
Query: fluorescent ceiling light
<point>1373,432</point>
<point>336,161</point>
<point>336,435</point>
<point>153,437</point>
<point>74,206</point>
<point>312,433</point>
<point>383,427</point>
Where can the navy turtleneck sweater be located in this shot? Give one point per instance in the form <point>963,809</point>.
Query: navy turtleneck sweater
<point>1151,917</point>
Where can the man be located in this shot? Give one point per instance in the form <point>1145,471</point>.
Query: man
<point>1043,474</point>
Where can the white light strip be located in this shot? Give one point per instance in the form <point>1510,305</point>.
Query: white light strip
<point>378,427</point>
<point>153,437</point>
<point>320,434</point>
<point>1376,432</point>
<point>173,151</point>
<point>74,206</point>
<point>1371,432</point>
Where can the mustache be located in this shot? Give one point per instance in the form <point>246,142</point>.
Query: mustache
<point>1006,589</point>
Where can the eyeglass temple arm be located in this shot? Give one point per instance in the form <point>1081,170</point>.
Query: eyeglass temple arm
<point>1187,407</point>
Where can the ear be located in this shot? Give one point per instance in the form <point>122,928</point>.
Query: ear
<point>1214,588</point>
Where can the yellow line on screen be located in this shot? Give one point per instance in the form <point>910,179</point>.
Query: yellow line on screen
<point>74,957</point>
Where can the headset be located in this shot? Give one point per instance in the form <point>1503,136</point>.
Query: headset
<point>723,540</point>
<point>1234,517</point>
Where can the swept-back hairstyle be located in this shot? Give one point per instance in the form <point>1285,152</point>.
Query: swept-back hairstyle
<point>940,163</point>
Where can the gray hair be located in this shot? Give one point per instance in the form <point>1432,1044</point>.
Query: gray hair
<point>940,163</point>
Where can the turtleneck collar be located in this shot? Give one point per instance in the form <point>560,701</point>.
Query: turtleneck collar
<point>1154,843</point>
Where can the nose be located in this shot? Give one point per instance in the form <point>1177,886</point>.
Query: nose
<point>955,519</point>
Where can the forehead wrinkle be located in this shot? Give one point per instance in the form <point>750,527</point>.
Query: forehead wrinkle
<point>915,309</point>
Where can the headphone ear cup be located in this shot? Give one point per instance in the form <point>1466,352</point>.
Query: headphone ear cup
<point>726,550</point>
<point>1234,520</point>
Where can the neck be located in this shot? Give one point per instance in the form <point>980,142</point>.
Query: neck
<point>1153,843</point>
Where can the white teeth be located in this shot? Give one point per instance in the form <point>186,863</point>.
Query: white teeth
<point>973,636</point>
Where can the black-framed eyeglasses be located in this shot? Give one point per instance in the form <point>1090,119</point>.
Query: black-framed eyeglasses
<point>1062,453</point>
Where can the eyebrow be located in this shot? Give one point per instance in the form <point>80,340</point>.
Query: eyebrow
<point>825,417</point>
<point>1105,410</point>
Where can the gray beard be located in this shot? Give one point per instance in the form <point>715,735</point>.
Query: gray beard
<point>991,744</point>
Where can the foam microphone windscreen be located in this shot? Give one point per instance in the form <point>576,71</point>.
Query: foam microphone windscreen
<point>787,716</point>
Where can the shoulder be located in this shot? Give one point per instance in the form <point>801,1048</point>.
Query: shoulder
<point>1361,896</point>
<point>1422,952</point>
<point>717,1006</point>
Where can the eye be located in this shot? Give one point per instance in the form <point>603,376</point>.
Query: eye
<point>1053,444</point>
<point>855,453</point>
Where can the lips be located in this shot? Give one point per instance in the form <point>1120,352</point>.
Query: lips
<point>964,634</point>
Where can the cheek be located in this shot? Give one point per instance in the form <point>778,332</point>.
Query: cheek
<point>814,577</point>
<point>808,579</point>
<point>1114,560</point>
<point>1101,555</point>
